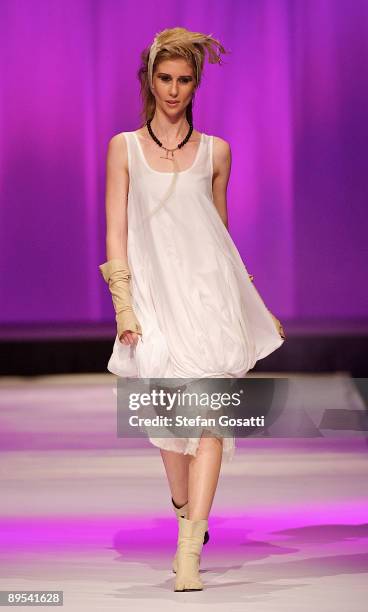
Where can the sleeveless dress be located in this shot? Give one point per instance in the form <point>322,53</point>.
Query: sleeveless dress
<point>199,311</point>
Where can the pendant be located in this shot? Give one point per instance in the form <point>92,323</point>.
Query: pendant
<point>167,154</point>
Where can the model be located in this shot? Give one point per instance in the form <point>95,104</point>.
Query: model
<point>185,304</point>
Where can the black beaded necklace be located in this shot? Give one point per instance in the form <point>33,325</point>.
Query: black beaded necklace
<point>179,146</point>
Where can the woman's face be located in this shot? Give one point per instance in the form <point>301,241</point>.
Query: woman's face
<point>173,80</point>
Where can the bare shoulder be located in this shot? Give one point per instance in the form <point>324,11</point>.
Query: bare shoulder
<point>221,155</point>
<point>117,152</point>
<point>221,141</point>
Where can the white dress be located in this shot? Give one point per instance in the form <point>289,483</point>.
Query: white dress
<point>199,312</point>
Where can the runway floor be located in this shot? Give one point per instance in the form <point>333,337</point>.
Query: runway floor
<point>82,512</point>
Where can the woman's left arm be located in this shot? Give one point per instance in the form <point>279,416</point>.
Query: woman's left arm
<point>221,175</point>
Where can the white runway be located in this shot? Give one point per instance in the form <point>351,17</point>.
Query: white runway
<point>87,513</point>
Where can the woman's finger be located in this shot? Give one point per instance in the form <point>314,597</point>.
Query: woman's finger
<point>130,338</point>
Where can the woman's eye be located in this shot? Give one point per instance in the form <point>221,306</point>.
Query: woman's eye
<point>183,80</point>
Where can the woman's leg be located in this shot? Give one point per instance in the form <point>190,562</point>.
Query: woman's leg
<point>177,471</point>
<point>204,470</point>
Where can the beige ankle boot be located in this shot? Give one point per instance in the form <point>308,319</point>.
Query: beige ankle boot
<point>190,542</point>
<point>183,511</point>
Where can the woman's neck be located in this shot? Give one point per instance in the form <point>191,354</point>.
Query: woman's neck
<point>167,130</point>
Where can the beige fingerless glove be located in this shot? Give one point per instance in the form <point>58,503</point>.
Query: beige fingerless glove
<point>117,274</point>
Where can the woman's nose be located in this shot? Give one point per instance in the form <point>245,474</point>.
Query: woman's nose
<point>174,88</point>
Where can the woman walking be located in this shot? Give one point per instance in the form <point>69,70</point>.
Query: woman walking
<point>185,304</point>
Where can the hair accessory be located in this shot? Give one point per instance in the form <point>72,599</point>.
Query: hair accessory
<point>154,49</point>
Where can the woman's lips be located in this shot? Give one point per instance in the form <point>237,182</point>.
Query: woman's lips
<point>172,103</point>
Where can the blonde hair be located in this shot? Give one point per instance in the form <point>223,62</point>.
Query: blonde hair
<point>170,44</point>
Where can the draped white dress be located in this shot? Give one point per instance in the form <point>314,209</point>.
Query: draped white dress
<point>200,313</point>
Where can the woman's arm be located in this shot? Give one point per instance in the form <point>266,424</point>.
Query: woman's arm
<point>116,269</point>
<point>221,175</point>
<point>117,185</point>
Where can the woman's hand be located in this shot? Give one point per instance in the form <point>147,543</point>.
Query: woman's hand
<point>129,338</point>
<point>278,325</point>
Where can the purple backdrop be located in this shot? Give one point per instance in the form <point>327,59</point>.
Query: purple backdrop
<point>291,99</point>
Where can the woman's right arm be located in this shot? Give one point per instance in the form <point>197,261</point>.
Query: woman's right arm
<point>116,268</point>
<point>117,185</point>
